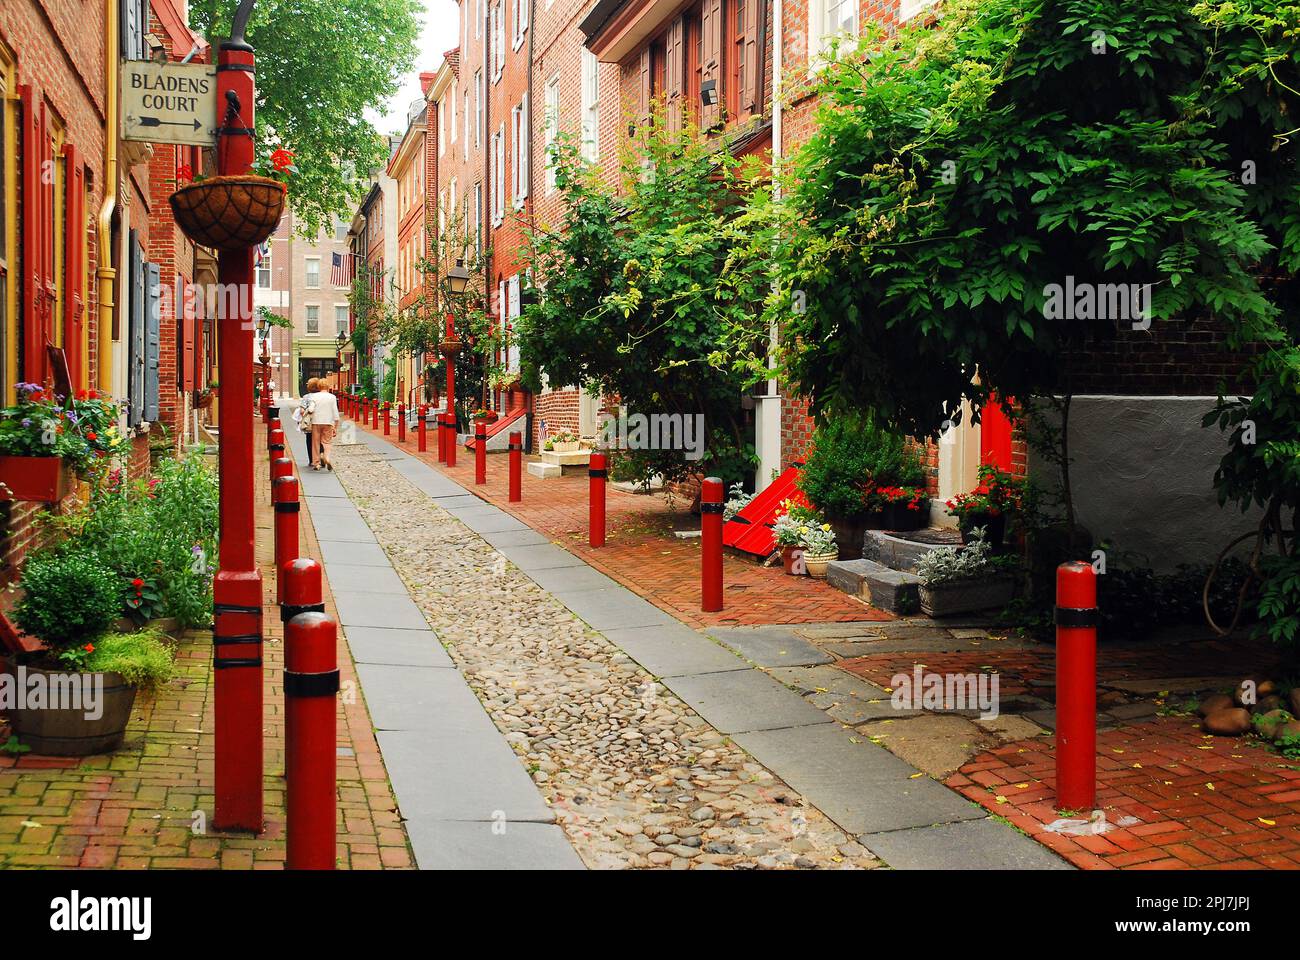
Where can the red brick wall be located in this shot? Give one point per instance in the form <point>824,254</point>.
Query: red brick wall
<point>559,408</point>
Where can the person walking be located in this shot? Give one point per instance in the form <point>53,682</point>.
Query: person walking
<point>304,419</point>
<point>324,421</point>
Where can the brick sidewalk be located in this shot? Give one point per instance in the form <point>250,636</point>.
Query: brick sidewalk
<point>641,552</point>
<point>1201,801</point>
<point>137,808</point>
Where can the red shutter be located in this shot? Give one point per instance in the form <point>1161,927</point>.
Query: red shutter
<point>749,39</point>
<point>646,95</point>
<point>38,236</point>
<point>675,53</point>
<point>711,67</point>
<point>187,333</point>
<point>74,305</point>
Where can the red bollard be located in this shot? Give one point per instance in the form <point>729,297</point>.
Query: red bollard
<point>480,452</point>
<point>401,423</point>
<point>388,420</point>
<point>440,424</point>
<point>1076,686</point>
<point>421,431</point>
<point>598,472</point>
<point>280,467</point>
<point>311,685</point>
<point>284,495</point>
<point>711,545</point>
<point>451,439</point>
<point>516,466</point>
<point>272,425</point>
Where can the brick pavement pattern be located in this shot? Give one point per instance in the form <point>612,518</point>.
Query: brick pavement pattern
<point>1201,801</point>
<point>149,805</point>
<point>641,552</point>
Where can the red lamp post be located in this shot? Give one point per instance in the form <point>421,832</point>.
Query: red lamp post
<point>237,587</point>
<point>457,283</point>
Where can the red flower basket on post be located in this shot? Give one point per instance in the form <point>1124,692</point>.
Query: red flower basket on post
<point>229,213</point>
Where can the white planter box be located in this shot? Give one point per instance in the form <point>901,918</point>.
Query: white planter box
<point>965,596</point>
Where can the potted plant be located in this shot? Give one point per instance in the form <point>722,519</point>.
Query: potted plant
<point>818,542</point>
<point>563,441</point>
<point>234,212</point>
<point>850,458</point>
<point>89,675</point>
<point>998,496</point>
<point>964,579</point>
<point>484,415</point>
<point>42,437</point>
<point>903,508</point>
<point>785,531</point>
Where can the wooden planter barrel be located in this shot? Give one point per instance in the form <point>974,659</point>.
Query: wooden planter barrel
<point>42,479</point>
<point>229,213</point>
<point>67,732</point>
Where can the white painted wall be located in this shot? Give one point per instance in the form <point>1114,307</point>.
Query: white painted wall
<point>1142,471</point>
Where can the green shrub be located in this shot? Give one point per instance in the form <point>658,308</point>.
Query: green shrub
<point>70,597</point>
<point>145,659</point>
<point>849,456</point>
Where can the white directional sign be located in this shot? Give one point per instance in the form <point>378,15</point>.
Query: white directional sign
<point>169,102</point>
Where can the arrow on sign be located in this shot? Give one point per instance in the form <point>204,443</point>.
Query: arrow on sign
<point>155,122</point>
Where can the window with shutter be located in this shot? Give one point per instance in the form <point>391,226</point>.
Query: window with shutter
<point>8,225</point>
<point>550,130</point>
<point>645,90</point>
<point>74,297</point>
<point>676,47</point>
<point>37,234</point>
<point>590,106</point>
<point>711,62</point>
<point>135,351</point>
<point>186,334</point>
<point>134,20</point>
<point>152,340</point>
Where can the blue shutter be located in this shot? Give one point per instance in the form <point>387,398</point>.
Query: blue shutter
<point>135,336</point>
<point>152,341</point>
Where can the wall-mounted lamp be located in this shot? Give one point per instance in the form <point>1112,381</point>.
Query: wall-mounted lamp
<point>709,93</point>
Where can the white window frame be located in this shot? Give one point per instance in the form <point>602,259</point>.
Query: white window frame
<point>820,33</point>
<point>442,125</point>
<point>478,109</point>
<point>306,319</point>
<point>451,96</point>
<point>306,274</point>
<point>464,141</point>
<point>478,216</point>
<point>451,200</point>
<point>340,322</point>
<point>263,268</point>
<point>519,147</point>
<point>498,176</point>
<point>590,106</point>
<point>479,14</point>
<point>550,130</point>
<point>519,22</point>
<point>498,41</point>
<point>907,9</point>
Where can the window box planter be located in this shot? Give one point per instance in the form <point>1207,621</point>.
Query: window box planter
<point>42,479</point>
<point>67,732</point>
<point>229,213</point>
<point>565,446</point>
<point>965,596</point>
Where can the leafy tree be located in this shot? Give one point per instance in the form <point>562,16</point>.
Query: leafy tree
<point>320,65</point>
<point>628,298</point>
<point>959,171</point>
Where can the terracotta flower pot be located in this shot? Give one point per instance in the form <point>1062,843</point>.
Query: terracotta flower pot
<point>229,213</point>
<point>788,557</point>
<point>42,479</point>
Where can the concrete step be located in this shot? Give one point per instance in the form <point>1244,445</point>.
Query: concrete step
<point>894,590</point>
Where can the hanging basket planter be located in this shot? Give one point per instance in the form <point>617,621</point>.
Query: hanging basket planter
<point>450,346</point>
<point>229,213</point>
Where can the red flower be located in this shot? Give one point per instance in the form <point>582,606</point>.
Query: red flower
<point>91,395</point>
<point>282,159</point>
<point>81,394</point>
<point>89,648</point>
<point>137,583</point>
<point>92,436</point>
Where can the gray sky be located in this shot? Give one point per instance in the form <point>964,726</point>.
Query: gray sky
<point>441,33</point>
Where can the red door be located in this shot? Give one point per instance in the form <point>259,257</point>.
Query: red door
<point>995,436</point>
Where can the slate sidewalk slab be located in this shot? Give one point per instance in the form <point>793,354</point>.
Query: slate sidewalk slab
<point>770,646</point>
<point>744,699</point>
<point>966,845</point>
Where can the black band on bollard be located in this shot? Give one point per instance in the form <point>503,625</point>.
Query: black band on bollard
<point>290,610</point>
<point>311,684</point>
<point>712,507</point>
<point>598,473</point>
<point>219,608</point>
<point>218,641</point>
<point>1077,616</point>
<point>515,446</point>
<point>292,506</point>
<point>276,446</point>
<point>223,663</point>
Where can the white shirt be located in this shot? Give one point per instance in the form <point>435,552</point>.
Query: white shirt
<point>324,408</point>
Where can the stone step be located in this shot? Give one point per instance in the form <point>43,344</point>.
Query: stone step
<point>546,471</point>
<point>902,551</point>
<point>569,458</point>
<point>894,590</point>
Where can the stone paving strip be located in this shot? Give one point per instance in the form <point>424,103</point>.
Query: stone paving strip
<point>633,776</point>
<point>572,702</point>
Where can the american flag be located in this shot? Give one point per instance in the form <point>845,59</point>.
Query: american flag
<point>341,269</point>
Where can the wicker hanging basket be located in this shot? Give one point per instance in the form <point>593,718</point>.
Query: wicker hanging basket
<point>229,213</point>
